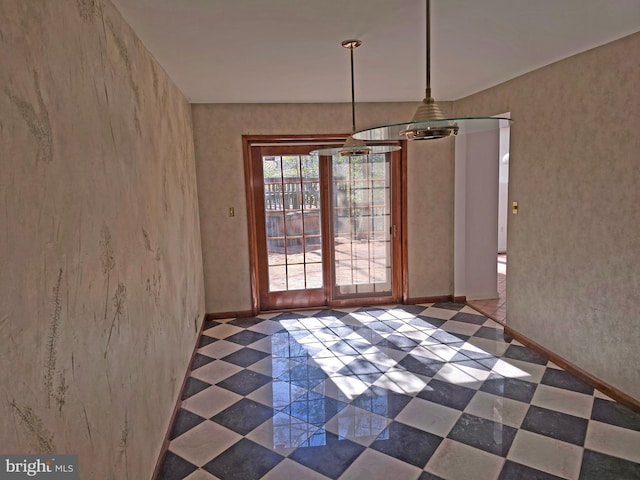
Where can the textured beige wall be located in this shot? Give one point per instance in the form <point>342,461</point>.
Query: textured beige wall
<point>430,192</point>
<point>574,248</point>
<point>218,131</point>
<point>101,287</point>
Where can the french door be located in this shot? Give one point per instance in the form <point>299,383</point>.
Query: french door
<point>324,230</point>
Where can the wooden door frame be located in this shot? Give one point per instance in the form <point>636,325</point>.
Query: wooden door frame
<point>251,180</point>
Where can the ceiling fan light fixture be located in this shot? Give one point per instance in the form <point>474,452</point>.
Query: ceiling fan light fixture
<point>428,122</point>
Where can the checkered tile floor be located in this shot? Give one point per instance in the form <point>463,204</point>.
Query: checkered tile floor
<point>405,392</point>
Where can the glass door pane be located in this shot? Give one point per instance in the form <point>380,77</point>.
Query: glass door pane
<point>292,222</point>
<point>362,241</point>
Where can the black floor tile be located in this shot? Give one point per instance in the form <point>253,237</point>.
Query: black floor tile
<point>516,471</point>
<point>175,467</point>
<point>245,460</point>
<point>421,365</point>
<point>490,334</point>
<point>289,316</point>
<point>313,409</point>
<point>407,444</point>
<point>412,309</point>
<point>449,338</point>
<point>359,345</point>
<point>484,434</point>
<point>447,394</point>
<point>598,466</point>
<point>429,476</point>
<point>245,357</point>
<point>469,318</point>
<point>402,343</point>
<point>474,355</point>
<point>387,344</point>
<point>425,321</point>
<point>183,422</point>
<point>243,416</point>
<point>525,354</point>
<point>331,458</point>
<point>209,324</point>
<point>379,327</point>
<point>246,337</point>
<point>467,362</point>
<point>337,314</point>
<point>343,348</point>
<point>562,379</point>
<point>244,382</point>
<point>246,322</point>
<point>382,402</point>
<point>512,388</point>
<point>193,386</point>
<point>205,340</point>
<point>359,366</point>
<point>200,360</point>
<point>615,414</point>
<point>556,425</point>
<point>367,334</point>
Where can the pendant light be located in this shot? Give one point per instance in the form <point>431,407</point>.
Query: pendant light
<point>354,147</point>
<point>428,123</point>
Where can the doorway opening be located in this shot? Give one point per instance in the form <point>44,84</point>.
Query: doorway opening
<point>481,210</point>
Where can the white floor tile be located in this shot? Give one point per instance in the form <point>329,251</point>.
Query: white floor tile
<point>428,416</point>
<point>201,475</point>
<point>374,465</point>
<point>452,374</point>
<point>493,347</point>
<point>282,433</point>
<point>546,454</point>
<point>498,409</point>
<point>219,349</point>
<point>455,460</point>
<point>614,441</point>
<point>288,469</point>
<point>401,382</point>
<point>203,442</point>
<point>561,400</point>
<point>357,425</point>
<point>215,372</point>
<point>509,368</point>
<point>223,331</point>
<point>210,401</point>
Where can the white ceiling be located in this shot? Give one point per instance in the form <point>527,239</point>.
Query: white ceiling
<point>237,51</point>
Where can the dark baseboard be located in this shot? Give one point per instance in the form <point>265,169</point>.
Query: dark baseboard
<point>220,315</point>
<point>165,442</point>
<point>434,299</point>
<point>614,393</point>
<point>459,299</point>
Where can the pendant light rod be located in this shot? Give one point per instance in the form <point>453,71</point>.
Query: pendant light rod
<point>428,43</point>
<point>353,95</point>
<point>354,147</point>
<point>351,44</point>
